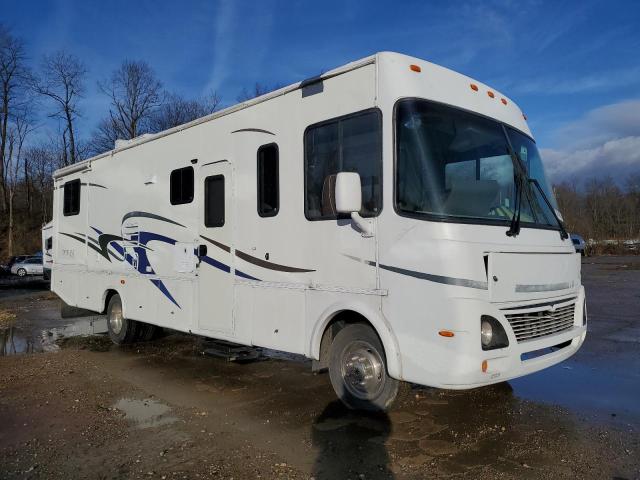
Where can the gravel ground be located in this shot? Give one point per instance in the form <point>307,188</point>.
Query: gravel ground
<point>78,407</point>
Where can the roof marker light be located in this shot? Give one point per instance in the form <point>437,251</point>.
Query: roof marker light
<point>474,87</point>
<point>415,68</point>
<point>504,101</point>
<point>524,116</point>
<point>491,94</point>
<point>446,333</point>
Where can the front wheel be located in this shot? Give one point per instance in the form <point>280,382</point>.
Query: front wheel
<point>121,330</point>
<point>22,272</point>
<point>358,370</point>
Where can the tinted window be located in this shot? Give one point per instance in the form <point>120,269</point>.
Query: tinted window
<point>347,144</point>
<point>268,186</point>
<point>33,260</point>
<point>181,186</point>
<point>71,201</point>
<point>49,243</point>
<point>214,201</point>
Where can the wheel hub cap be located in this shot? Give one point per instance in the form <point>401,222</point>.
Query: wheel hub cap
<point>115,318</point>
<point>362,370</point>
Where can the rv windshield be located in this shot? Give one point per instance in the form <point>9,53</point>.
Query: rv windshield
<point>453,165</point>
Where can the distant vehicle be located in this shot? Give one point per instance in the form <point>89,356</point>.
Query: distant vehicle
<point>6,269</point>
<point>29,266</point>
<point>389,219</point>
<point>579,244</point>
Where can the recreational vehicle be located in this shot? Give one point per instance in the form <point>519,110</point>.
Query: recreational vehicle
<point>389,219</point>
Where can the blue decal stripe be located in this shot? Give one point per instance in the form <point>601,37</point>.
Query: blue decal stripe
<point>244,275</point>
<point>215,263</point>
<point>163,289</point>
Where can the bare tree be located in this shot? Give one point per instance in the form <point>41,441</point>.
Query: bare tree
<point>20,127</point>
<point>42,161</point>
<point>14,75</point>
<point>176,110</point>
<point>135,93</point>
<point>62,81</point>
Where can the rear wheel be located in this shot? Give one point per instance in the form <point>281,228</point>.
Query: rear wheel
<point>22,272</point>
<point>147,332</point>
<point>121,330</point>
<point>358,370</point>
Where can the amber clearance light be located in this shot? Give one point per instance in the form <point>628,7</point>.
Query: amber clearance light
<point>446,333</point>
<point>415,68</point>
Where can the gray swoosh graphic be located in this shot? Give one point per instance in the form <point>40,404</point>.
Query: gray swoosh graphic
<point>258,261</point>
<point>150,215</point>
<point>255,130</point>
<point>460,282</point>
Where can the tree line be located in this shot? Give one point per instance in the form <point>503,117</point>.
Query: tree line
<point>602,210</point>
<point>36,94</point>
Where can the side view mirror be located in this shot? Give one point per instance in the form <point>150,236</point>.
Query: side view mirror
<point>348,193</point>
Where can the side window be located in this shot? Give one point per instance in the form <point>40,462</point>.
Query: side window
<point>348,144</point>
<point>181,186</point>
<point>49,243</point>
<point>214,201</point>
<point>268,181</point>
<point>71,201</point>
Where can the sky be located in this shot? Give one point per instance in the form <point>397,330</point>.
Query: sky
<point>573,67</point>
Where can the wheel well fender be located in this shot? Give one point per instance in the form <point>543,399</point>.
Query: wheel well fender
<point>106,297</point>
<point>334,317</point>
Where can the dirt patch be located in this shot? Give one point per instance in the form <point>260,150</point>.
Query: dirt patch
<point>93,343</point>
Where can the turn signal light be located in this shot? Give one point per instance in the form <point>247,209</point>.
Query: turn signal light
<point>485,365</point>
<point>415,68</point>
<point>446,333</point>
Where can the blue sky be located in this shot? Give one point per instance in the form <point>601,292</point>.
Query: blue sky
<point>573,67</point>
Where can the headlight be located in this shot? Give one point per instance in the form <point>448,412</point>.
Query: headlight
<point>486,333</point>
<point>492,334</point>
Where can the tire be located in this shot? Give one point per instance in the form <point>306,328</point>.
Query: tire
<point>147,332</point>
<point>21,272</point>
<point>358,370</point>
<point>121,330</point>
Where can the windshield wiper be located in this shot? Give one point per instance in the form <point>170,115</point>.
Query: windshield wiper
<point>514,227</point>
<point>563,232</point>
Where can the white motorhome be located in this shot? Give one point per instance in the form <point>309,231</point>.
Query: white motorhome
<point>389,219</point>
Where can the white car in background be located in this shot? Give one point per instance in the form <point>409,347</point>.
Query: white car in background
<point>29,266</point>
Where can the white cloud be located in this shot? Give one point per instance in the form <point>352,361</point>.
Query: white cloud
<point>605,142</point>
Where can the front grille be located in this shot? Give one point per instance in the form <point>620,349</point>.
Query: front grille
<point>541,322</point>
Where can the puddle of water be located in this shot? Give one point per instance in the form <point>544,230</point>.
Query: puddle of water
<point>608,390</point>
<point>18,340</point>
<point>145,413</point>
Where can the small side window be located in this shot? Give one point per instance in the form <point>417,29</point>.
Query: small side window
<point>71,200</point>
<point>214,201</point>
<point>48,244</point>
<point>181,186</point>
<point>268,181</point>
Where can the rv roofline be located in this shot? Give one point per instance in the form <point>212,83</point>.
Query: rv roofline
<point>85,164</point>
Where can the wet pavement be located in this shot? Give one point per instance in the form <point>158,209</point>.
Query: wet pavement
<point>167,408</point>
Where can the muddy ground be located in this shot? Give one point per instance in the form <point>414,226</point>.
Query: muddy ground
<point>77,407</point>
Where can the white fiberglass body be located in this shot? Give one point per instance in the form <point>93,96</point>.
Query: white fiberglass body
<point>436,262</point>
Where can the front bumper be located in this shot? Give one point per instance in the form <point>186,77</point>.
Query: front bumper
<point>457,362</point>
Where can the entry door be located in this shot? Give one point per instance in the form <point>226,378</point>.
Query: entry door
<point>215,271</point>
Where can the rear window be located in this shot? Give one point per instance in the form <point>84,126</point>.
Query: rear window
<point>181,186</point>
<point>71,201</point>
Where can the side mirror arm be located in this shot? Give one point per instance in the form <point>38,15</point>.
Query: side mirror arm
<point>365,226</point>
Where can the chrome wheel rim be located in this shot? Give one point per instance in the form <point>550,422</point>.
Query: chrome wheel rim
<point>115,318</point>
<point>22,273</point>
<point>362,369</point>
